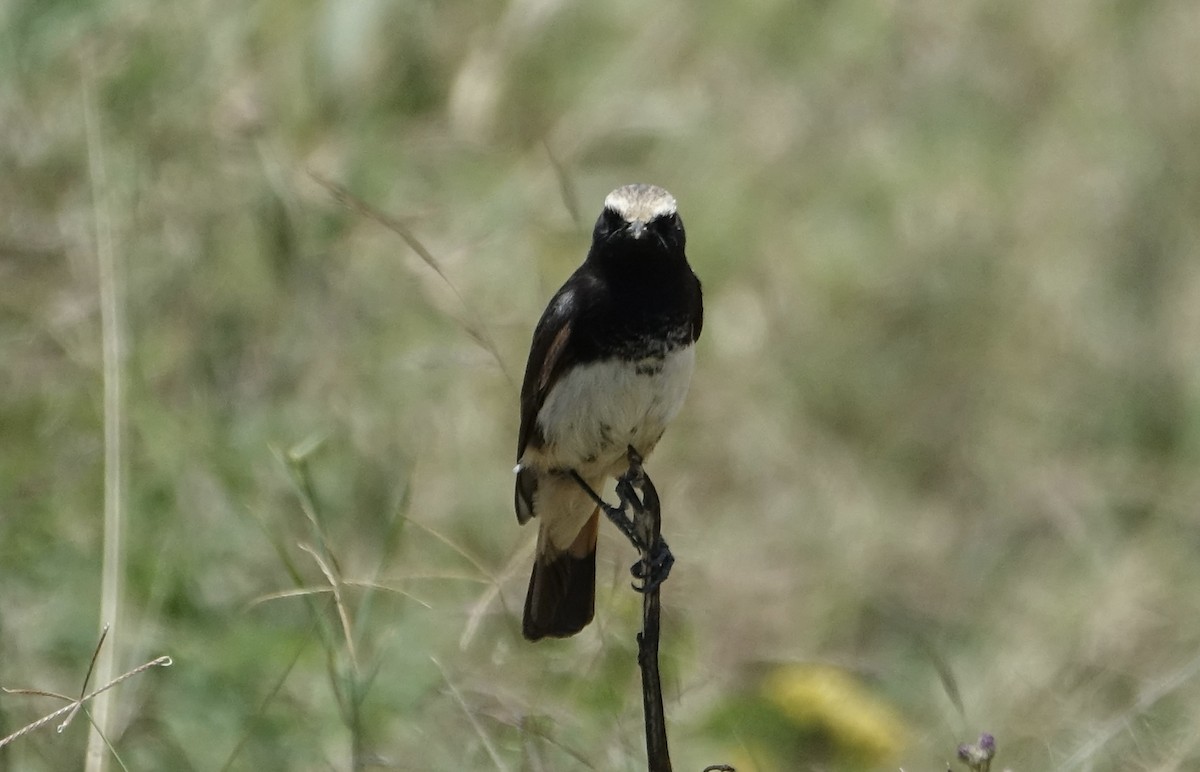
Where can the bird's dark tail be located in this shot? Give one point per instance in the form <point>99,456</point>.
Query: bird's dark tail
<point>562,589</point>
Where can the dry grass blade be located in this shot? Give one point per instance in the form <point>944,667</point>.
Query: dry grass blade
<point>487,743</point>
<point>387,588</point>
<point>86,680</point>
<point>301,592</point>
<point>37,693</point>
<point>475,615</point>
<point>532,728</point>
<point>566,186</point>
<point>95,655</point>
<point>1146,700</point>
<point>461,551</point>
<point>295,460</point>
<point>470,323</point>
<point>343,615</point>
<point>163,661</point>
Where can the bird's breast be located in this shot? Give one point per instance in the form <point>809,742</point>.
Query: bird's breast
<point>597,409</point>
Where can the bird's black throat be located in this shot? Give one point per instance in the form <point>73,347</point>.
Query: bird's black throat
<point>633,310</point>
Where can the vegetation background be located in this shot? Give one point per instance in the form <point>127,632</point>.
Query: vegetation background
<point>937,473</point>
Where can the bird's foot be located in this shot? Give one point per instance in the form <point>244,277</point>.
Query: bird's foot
<point>654,569</point>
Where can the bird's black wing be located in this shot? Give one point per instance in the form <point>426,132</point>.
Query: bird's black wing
<point>549,355</point>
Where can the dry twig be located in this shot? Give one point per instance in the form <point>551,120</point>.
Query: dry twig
<point>74,704</point>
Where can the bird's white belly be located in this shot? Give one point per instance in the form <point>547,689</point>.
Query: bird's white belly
<point>596,410</point>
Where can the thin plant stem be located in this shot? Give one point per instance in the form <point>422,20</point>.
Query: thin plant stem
<point>110,318</point>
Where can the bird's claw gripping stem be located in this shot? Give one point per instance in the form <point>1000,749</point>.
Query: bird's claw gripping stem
<point>654,569</point>
<point>642,528</point>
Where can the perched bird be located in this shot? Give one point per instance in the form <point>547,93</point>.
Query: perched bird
<point>609,367</point>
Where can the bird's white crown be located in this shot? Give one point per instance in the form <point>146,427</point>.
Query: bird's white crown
<point>640,203</point>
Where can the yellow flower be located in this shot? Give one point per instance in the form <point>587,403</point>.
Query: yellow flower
<point>829,700</point>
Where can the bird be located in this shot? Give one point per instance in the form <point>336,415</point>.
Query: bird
<point>609,366</point>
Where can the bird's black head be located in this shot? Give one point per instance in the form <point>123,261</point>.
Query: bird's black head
<point>639,221</point>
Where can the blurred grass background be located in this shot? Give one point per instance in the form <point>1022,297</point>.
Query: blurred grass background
<point>941,445</point>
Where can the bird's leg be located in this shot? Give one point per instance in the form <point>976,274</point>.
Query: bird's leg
<point>615,514</point>
<point>628,484</point>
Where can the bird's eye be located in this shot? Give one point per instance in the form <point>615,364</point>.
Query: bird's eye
<point>667,224</point>
<point>609,221</point>
<point>672,228</point>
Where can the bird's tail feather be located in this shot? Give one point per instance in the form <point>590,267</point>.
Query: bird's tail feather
<point>562,588</point>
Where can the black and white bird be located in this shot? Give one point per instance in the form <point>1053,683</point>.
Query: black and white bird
<point>609,367</point>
